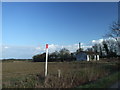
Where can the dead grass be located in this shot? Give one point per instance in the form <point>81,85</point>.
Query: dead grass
<point>72,74</point>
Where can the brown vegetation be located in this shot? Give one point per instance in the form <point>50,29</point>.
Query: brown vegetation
<point>72,74</point>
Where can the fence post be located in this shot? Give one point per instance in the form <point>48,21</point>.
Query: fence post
<point>59,73</point>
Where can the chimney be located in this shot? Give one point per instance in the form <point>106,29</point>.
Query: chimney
<point>79,45</point>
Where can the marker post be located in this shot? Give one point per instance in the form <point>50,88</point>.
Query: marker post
<point>46,60</point>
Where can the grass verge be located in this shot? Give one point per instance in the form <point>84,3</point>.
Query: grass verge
<point>105,82</point>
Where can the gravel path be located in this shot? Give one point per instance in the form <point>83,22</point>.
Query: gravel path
<point>116,85</point>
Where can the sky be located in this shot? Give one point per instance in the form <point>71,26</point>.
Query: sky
<point>28,26</point>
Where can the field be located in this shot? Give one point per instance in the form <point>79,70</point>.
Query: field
<point>24,74</point>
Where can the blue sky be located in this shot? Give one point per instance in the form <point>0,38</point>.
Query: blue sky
<point>34,24</point>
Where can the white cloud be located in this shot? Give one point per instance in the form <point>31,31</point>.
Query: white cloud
<point>97,41</point>
<point>22,52</point>
<point>26,52</point>
<point>37,48</point>
<point>6,47</point>
<point>101,40</point>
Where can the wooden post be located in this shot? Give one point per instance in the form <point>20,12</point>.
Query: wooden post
<point>59,73</point>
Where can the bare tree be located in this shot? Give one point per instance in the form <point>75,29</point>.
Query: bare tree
<point>115,32</point>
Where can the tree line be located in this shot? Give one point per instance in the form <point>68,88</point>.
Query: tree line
<point>61,55</point>
<point>109,47</point>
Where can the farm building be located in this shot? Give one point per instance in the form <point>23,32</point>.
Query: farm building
<point>85,55</point>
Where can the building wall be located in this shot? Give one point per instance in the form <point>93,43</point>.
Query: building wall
<point>81,56</point>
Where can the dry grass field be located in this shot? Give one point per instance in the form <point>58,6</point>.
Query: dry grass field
<point>71,74</point>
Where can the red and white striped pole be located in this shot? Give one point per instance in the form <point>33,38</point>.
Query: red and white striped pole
<point>46,60</point>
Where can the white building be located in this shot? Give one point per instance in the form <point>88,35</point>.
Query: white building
<point>88,56</point>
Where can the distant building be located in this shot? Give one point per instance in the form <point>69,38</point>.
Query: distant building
<point>88,56</point>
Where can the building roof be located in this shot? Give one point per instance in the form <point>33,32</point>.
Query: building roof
<point>88,52</point>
